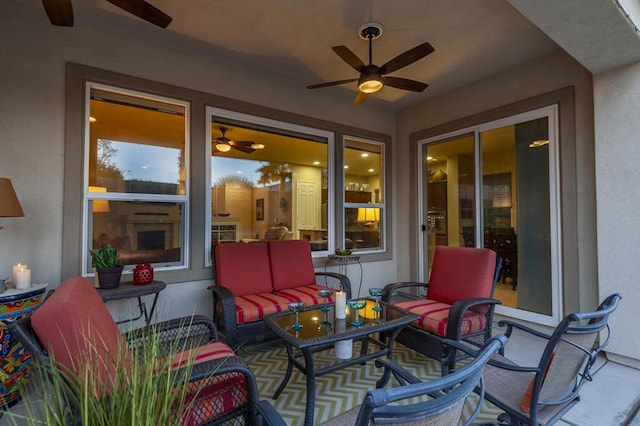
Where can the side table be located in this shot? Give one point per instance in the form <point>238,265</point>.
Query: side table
<point>343,261</point>
<point>127,290</point>
<point>16,363</point>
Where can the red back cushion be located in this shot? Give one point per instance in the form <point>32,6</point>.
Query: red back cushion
<point>291,264</point>
<point>243,268</point>
<point>77,330</point>
<point>461,273</point>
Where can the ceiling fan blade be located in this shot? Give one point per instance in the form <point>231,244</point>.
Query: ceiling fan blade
<point>144,10</point>
<point>350,58</point>
<point>332,83</point>
<point>60,12</point>
<point>244,149</point>
<point>241,143</point>
<point>407,58</point>
<point>405,84</point>
<point>360,97</point>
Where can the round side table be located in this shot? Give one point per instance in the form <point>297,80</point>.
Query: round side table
<point>15,366</point>
<point>342,262</point>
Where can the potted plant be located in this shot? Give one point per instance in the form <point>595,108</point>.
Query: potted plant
<point>105,259</point>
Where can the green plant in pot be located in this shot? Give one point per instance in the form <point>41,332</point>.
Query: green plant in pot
<point>105,259</point>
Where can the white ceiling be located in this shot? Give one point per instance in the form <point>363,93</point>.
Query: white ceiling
<point>292,39</point>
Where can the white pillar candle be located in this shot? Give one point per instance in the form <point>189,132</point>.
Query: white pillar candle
<point>23,278</point>
<point>344,348</point>
<point>341,305</point>
<point>17,266</point>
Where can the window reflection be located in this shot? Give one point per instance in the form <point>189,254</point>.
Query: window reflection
<point>269,184</point>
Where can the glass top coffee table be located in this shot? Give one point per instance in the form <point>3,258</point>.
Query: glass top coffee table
<point>321,330</point>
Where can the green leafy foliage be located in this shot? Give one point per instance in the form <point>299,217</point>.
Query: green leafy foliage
<point>105,257</point>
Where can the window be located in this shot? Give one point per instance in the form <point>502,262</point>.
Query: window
<point>136,188</point>
<point>495,185</point>
<point>268,180</point>
<point>363,194</point>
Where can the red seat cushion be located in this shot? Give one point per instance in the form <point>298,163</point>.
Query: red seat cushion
<point>213,396</point>
<point>434,317</point>
<point>461,273</point>
<point>76,328</point>
<point>291,264</point>
<point>243,268</point>
<point>252,307</point>
<point>307,294</point>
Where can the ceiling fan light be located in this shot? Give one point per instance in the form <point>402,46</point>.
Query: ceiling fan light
<point>223,147</point>
<point>370,84</point>
<point>257,146</point>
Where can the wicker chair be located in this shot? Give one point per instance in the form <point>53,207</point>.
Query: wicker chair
<point>542,394</point>
<point>458,306</point>
<point>74,325</point>
<point>435,402</point>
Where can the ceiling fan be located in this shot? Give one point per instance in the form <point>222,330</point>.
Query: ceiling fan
<point>224,144</point>
<point>372,77</point>
<point>60,12</point>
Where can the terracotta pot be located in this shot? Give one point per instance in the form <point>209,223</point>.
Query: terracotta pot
<point>109,277</point>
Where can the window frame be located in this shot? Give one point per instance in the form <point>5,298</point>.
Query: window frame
<point>212,112</point>
<point>89,196</point>
<point>381,205</point>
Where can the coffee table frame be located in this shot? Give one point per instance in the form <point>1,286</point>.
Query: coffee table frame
<point>300,346</point>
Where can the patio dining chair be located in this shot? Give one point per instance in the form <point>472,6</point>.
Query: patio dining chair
<point>542,394</point>
<point>434,402</point>
<point>73,332</point>
<point>458,305</point>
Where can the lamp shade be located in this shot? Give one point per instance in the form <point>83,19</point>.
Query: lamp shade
<point>9,204</point>
<point>99,206</point>
<point>368,214</point>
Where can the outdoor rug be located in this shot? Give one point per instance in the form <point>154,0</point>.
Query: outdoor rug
<point>339,391</point>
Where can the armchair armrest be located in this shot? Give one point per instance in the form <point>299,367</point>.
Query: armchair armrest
<point>497,360</point>
<point>224,313</point>
<point>343,280</point>
<point>459,308</point>
<point>391,288</point>
<point>180,333</point>
<point>269,416</point>
<point>511,325</point>
<point>402,375</point>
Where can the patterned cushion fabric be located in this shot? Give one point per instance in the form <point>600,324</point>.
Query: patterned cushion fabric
<point>307,294</point>
<point>434,317</point>
<point>253,307</point>
<point>203,353</point>
<point>214,396</point>
<point>461,273</point>
<point>243,268</point>
<point>76,328</point>
<point>291,264</point>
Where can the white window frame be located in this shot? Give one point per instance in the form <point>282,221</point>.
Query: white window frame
<point>138,197</point>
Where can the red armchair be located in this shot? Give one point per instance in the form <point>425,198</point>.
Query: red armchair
<point>458,306</point>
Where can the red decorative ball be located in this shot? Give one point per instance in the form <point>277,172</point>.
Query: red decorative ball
<point>143,274</point>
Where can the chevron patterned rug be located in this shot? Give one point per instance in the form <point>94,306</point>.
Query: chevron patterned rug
<point>339,391</point>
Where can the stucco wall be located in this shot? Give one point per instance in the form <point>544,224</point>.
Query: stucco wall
<point>32,126</point>
<point>549,73</point>
<point>617,121</point>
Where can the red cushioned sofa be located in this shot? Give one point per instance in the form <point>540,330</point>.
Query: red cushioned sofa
<point>254,279</point>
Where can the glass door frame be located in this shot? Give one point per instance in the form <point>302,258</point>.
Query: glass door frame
<point>550,112</point>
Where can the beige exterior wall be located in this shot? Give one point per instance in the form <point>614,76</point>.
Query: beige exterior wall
<point>617,148</point>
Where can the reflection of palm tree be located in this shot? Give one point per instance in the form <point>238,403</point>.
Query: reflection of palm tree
<point>275,172</point>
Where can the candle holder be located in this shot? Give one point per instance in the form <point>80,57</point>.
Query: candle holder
<point>376,293</point>
<point>297,307</point>
<point>356,305</point>
<point>324,293</point>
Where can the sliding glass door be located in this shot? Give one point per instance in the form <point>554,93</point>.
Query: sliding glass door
<point>495,186</point>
